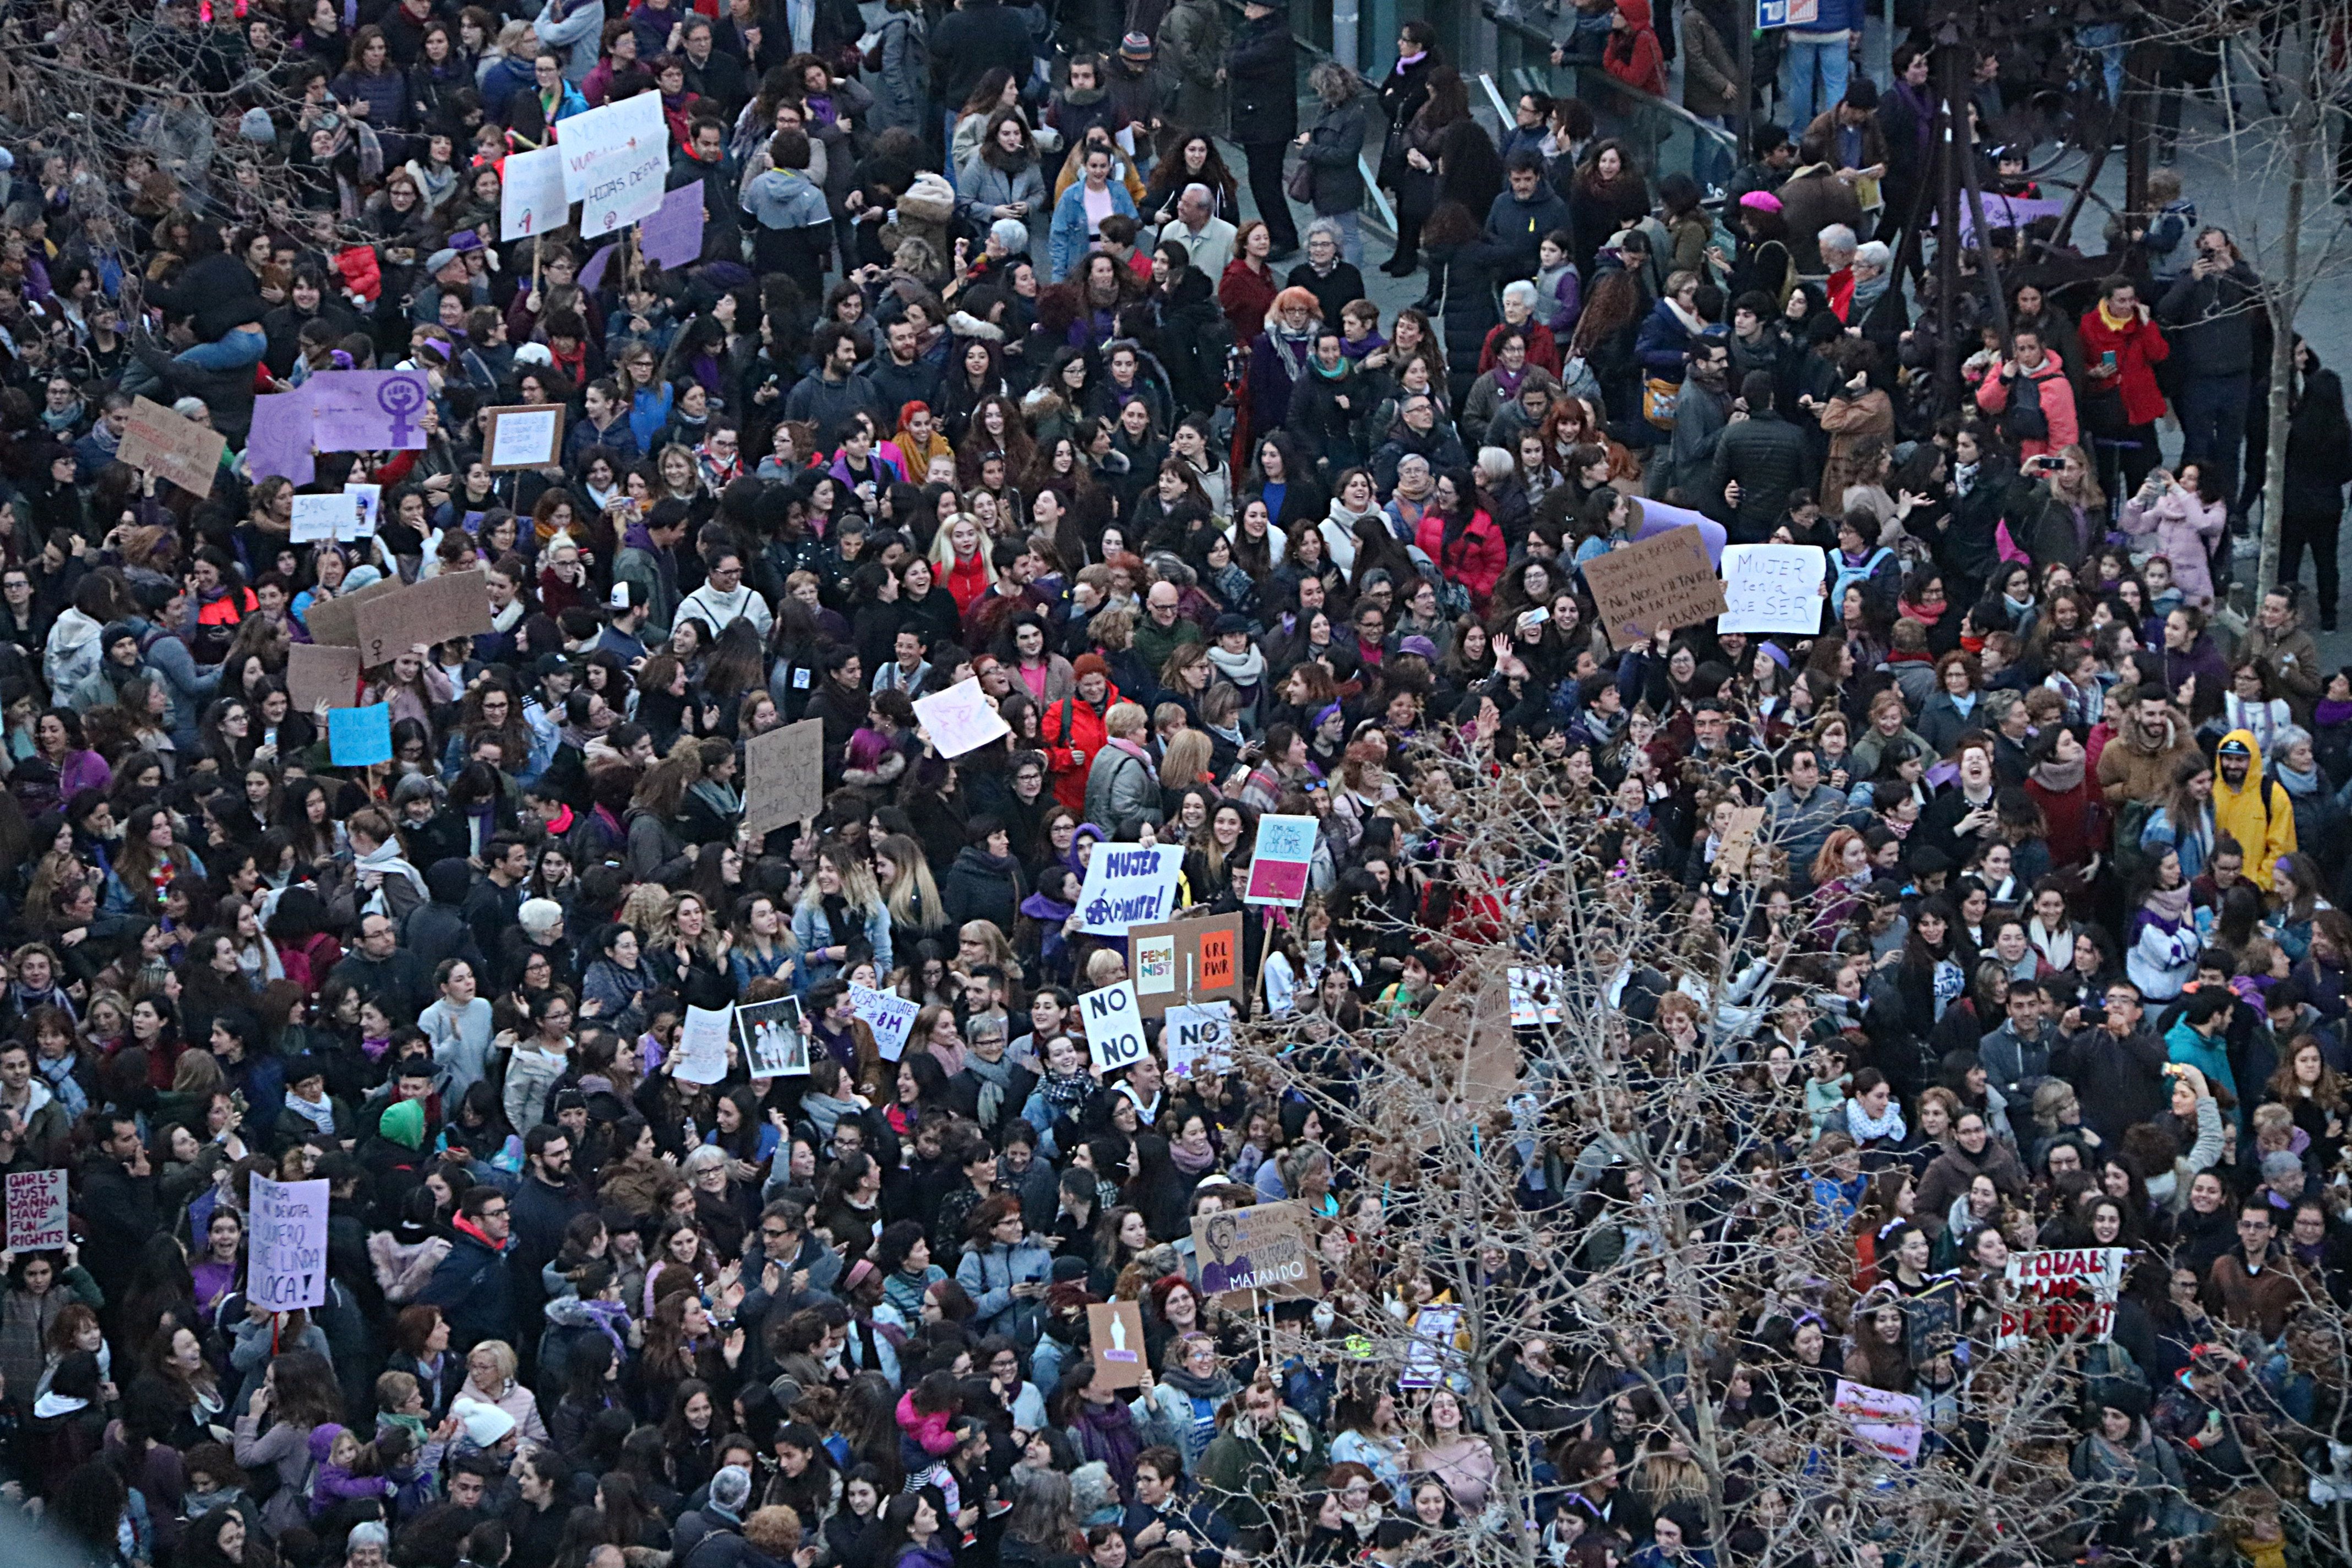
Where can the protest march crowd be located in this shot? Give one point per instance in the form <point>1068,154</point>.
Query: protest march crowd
<point>977,386</point>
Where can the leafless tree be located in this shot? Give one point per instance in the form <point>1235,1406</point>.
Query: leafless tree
<point>1605,1185</point>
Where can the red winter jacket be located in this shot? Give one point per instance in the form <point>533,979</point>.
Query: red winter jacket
<point>1632,54</point>
<point>1072,730</point>
<point>1475,560</point>
<point>2138,348</point>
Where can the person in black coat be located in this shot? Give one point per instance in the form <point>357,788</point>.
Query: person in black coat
<point>1261,75</point>
<point>2318,463</point>
<point>1401,93</point>
<point>966,44</point>
<point>1474,268</point>
<point>984,883</point>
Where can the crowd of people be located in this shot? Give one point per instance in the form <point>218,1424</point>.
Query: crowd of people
<point>986,371</point>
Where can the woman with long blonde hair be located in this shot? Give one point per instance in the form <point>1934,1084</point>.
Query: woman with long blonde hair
<point>840,911</point>
<point>908,892</point>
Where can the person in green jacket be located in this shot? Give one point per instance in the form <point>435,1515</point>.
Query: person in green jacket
<point>1244,1464</point>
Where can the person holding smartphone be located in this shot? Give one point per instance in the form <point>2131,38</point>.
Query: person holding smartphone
<point>2122,346</point>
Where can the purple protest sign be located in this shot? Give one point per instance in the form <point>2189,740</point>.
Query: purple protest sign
<point>2006,212</point>
<point>1657,517</point>
<point>592,276</point>
<point>368,410</point>
<point>672,237</point>
<point>279,445</point>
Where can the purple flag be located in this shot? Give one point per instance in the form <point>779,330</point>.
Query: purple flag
<point>592,276</point>
<point>281,442</point>
<point>672,237</point>
<point>369,410</point>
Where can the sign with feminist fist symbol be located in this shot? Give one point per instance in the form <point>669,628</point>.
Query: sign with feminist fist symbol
<point>402,400</point>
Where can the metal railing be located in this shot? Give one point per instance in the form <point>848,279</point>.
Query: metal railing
<point>1665,135</point>
<point>1375,208</point>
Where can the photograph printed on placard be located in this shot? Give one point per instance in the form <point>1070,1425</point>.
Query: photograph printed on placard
<point>771,1038</point>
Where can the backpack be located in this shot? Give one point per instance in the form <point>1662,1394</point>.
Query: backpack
<point>2023,420</point>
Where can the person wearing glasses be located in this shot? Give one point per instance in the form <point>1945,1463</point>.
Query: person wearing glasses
<point>472,1285</point>
<point>724,598</point>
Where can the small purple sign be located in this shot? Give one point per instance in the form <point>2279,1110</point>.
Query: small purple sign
<point>279,444</point>
<point>672,235</point>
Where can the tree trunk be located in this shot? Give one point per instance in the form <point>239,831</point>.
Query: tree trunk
<point>2280,297</point>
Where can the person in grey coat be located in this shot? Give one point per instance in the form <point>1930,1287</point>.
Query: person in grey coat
<point>900,99</point>
<point>1122,789</point>
<point>1334,148</point>
<point>1001,180</point>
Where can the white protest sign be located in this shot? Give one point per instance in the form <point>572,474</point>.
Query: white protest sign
<point>322,517</point>
<point>1891,1424</point>
<point>1535,995</point>
<point>961,718</point>
<point>2060,1293</point>
<point>531,193</point>
<point>616,162</point>
<point>1200,1035</point>
<point>1128,884</point>
<point>37,1210</point>
<point>889,1015</point>
<point>287,1244</point>
<point>1773,588</point>
<point>1431,1350</point>
<point>1114,1022</point>
<point>368,499</point>
<point>702,1044</point>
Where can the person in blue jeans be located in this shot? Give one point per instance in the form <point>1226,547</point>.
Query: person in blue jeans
<point>1815,63</point>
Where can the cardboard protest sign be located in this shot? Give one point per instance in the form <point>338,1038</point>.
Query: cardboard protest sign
<point>455,604</point>
<point>1430,1352</point>
<point>321,672</point>
<point>1889,1423</point>
<point>671,235</point>
<point>37,1210</point>
<point>615,161</point>
<point>529,436</point>
<point>1128,884</point>
<point>278,446</point>
<point>1735,854</point>
<point>1280,859</point>
<point>961,718</point>
<point>368,410</point>
<point>889,1014</point>
<point>1115,1338</point>
<point>337,620</point>
<point>172,447</point>
<point>1773,588</point>
<point>2061,1293</point>
<point>784,776</point>
<point>1266,1248</point>
<point>773,1041</point>
<point>1114,1027</point>
<point>286,1244</point>
<point>359,737</point>
<point>1178,961</point>
<point>530,193</point>
<point>1199,1036</point>
<point>1656,585</point>
<point>702,1044</point>
<point>1462,1046</point>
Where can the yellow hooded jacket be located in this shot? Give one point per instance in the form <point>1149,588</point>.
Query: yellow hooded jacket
<point>2264,828</point>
